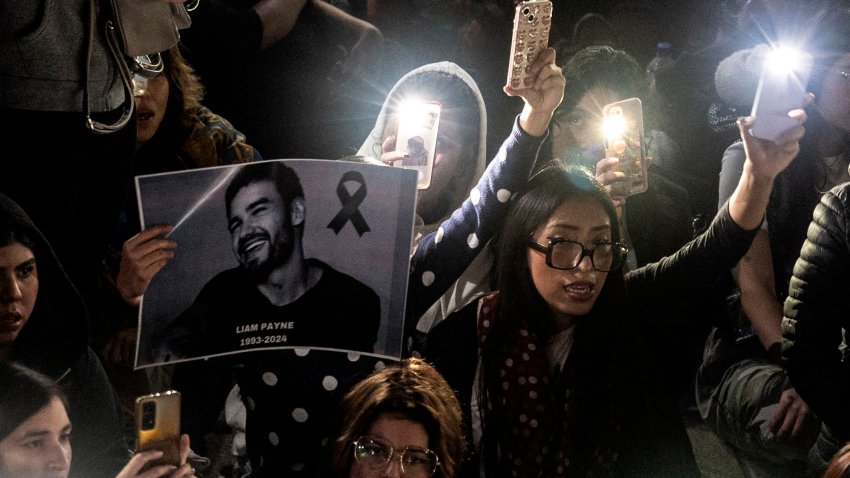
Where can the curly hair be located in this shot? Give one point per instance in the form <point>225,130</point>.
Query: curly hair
<point>185,94</point>
<point>414,390</point>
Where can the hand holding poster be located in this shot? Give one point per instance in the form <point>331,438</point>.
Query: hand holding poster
<point>278,254</point>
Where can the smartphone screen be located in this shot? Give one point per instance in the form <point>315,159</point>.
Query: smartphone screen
<point>532,23</point>
<point>158,426</point>
<point>418,126</point>
<point>781,88</point>
<point>624,138</point>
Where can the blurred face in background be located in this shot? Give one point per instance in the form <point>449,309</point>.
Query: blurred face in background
<point>581,127</point>
<point>453,148</point>
<point>834,100</point>
<point>150,109</point>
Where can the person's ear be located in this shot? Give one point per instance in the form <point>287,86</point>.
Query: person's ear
<point>297,211</point>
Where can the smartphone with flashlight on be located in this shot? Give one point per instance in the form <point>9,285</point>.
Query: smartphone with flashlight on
<point>532,23</point>
<point>781,88</point>
<point>624,138</point>
<point>418,125</point>
<point>158,426</point>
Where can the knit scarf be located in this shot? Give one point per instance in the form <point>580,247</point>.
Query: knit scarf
<point>535,409</point>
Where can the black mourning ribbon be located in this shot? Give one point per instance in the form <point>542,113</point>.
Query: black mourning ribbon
<point>350,204</point>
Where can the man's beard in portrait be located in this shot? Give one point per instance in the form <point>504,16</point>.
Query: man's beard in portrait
<point>259,266</point>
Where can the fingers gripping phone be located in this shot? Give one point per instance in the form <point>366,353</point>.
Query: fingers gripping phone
<point>781,88</point>
<point>158,426</point>
<point>418,125</point>
<point>532,22</point>
<point>624,137</point>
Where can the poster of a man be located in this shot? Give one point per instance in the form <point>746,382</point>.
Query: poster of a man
<point>302,269</point>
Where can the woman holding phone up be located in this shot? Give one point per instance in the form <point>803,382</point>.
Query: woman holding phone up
<point>35,432</point>
<point>550,367</point>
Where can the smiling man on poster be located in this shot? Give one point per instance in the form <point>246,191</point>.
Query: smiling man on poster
<point>274,297</point>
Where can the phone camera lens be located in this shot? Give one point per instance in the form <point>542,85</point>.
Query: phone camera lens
<point>526,11</point>
<point>148,415</point>
<point>531,18</point>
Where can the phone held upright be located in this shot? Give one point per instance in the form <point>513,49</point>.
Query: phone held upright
<point>532,24</point>
<point>624,138</point>
<point>158,426</point>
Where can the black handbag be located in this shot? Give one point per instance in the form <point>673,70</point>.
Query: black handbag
<point>136,32</point>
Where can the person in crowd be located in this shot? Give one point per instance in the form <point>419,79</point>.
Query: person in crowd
<point>48,81</point>
<point>562,385</point>
<point>657,222</point>
<point>402,420</point>
<point>839,465</point>
<point>175,132</point>
<point>459,161</point>
<point>277,418</point>
<point>35,432</point>
<point>743,390</point>
<point>815,320</point>
<point>43,325</point>
<point>654,223</point>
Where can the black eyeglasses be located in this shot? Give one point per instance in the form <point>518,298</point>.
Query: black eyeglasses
<point>376,454</point>
<point>564,254</point>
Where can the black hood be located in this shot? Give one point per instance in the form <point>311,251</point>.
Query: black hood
<point>57,332</point>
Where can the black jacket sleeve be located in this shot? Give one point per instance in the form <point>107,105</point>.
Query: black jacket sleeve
<point>695,267</point>
<point>100,449</point>
<point>816,313</point>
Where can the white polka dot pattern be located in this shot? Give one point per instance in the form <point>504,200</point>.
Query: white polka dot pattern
<point>330,383</point>
<point>503,195</point>
<point>270,379</point>
<point>299,415</point>
<point>428,278</point>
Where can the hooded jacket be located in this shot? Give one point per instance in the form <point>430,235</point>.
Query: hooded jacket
<point>442,73</point>
<point>476,278</point>
<point>54,341</point>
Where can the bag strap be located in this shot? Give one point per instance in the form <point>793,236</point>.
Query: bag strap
<point>123,70</point>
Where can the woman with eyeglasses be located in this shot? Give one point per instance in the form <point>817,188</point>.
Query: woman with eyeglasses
<point>551,367</point>
<point>402,420</point>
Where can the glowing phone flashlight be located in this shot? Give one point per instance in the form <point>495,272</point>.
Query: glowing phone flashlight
<point>781,88</point>
<point>418,125</point>
<point>784,60</point>
<point>614,126</point>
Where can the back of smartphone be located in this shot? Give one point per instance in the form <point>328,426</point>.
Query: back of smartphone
<point>418,126</point>
<point>158,426</point>
<point>624,137</point>
<point>782,87</point>
<point>532,22</point>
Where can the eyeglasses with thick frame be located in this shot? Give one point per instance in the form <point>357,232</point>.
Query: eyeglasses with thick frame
<point>377,454</point>
<point>574,252</point>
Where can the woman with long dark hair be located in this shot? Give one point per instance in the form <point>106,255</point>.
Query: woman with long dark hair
<point>563,386</point>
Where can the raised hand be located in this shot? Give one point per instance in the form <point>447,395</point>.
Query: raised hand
<point>142,256</point>
<point>543,97</point>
